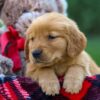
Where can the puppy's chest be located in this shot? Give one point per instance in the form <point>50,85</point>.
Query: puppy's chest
<point>60,70</point>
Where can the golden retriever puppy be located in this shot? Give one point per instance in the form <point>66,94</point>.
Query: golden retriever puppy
<point>55,47</point>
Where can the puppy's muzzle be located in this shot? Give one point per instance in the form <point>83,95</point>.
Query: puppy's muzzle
<point>37,53</point>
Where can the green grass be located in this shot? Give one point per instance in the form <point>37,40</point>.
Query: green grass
<point>93,48</point>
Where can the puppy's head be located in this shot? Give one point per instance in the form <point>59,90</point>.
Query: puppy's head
<point>52,38</point>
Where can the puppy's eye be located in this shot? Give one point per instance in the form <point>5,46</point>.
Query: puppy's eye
<point>32,39</point>
<point>51,37</point>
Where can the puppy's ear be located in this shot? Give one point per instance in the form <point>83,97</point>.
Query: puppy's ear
<point>26,49</point>
<point>76,41</point>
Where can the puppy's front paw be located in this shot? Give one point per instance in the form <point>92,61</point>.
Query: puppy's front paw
<point>72,84</point>
<point>50,87</point>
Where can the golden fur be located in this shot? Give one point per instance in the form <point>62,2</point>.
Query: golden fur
<point>62,45</point>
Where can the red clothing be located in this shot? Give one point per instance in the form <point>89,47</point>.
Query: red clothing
<point>11,44</point>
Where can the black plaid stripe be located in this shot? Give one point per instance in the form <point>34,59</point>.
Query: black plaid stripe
<point>16,91</point>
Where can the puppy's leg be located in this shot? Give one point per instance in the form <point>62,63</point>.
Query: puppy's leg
<point>74,78</point>
<point>48,81</point>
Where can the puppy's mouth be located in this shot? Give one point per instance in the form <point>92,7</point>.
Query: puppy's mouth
<point>46,63</point>
<point>43,63</point>
<point>44,60</point>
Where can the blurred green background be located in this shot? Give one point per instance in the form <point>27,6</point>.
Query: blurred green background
<point>87,15</point>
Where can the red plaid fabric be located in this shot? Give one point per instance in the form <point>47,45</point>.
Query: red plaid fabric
<point>22,88</point>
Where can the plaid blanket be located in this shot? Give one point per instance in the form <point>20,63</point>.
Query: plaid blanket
<point>22,88</point>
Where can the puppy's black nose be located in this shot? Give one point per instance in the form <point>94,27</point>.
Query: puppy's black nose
<point>37,53</point>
